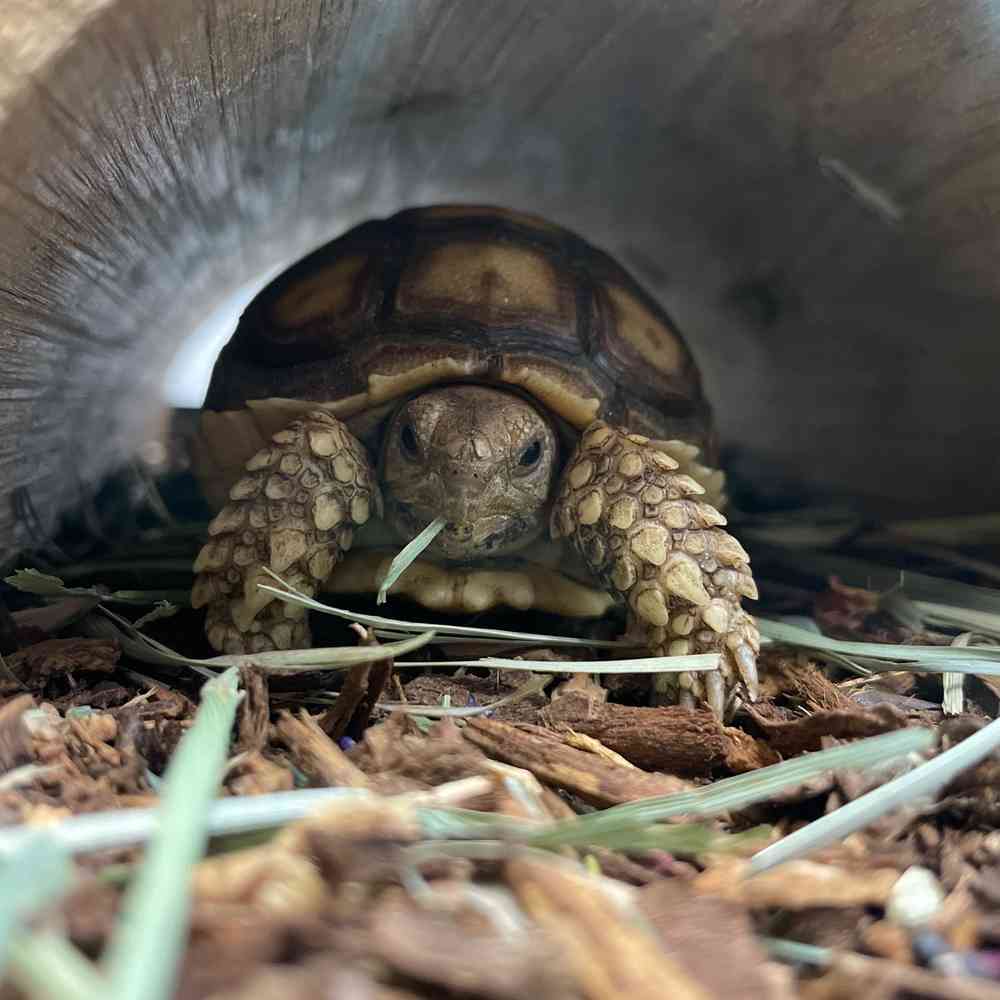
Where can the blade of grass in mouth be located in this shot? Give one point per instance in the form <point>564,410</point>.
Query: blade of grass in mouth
<point>408,554</point>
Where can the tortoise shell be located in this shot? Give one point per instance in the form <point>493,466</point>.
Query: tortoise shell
<point>450,294</point>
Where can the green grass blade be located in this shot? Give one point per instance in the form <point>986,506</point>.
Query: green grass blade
<point>31,581</point>
<point>119,828</point>
<point>734,793</point>
<point>142,956</point>
<point>986,668</point>
<point>47,966</point>
<point>966,619</point>
<point>933,657</point>
<point>926,780</point>
<point>401,563</point>
<point>796,953</point>
<point>38,872</point>
<point>686,839</point>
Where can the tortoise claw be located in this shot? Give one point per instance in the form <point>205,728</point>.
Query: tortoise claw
<point>294,512</point>
<point>634,519</point>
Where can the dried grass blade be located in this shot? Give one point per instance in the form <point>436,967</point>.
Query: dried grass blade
<point>511,639</point>
<point>294,596</point>
<point>526,690</point>
<point>696,662</point>
<point>953,694</point>
<point>322,658</point>
<point>148,650</point>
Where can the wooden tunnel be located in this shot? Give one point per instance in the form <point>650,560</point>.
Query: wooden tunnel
<point>809,186</point>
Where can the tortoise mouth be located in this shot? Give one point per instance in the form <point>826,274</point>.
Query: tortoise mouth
<point>467,541</point>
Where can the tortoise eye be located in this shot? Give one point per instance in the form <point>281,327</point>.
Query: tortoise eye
<point>408,441</point>
<point>530,455</point>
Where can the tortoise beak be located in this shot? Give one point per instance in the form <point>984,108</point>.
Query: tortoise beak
<point>467,527</point>
<point>458,508</point>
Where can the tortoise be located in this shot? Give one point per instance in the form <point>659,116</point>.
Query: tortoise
<point>498,371</point>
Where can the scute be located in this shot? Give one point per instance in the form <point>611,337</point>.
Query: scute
<point>485,280</point>
<point>331,292</point>
<point>639,328</point>
<point>630,340</point>
<point>456,292</point>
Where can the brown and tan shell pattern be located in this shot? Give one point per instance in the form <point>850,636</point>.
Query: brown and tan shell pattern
<point>450,293</point>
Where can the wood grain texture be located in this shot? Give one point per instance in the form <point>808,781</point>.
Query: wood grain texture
<point>809,187</point>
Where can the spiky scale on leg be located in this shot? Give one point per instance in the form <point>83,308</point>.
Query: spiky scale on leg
<point>636,520</point>
<point>686,455</point>
<point>294,512</point>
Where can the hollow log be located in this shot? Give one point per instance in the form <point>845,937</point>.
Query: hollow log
<point>808,186</point>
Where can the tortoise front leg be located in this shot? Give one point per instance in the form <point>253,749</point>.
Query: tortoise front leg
<point>294,511</point>
<point>635,521</point>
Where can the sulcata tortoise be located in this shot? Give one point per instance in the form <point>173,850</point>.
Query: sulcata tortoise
<point>495,370</point>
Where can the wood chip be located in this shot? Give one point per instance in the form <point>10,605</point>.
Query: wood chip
<point>363,686</point>
<point>798,885</point>
<point>460,953</point>
<point>544,754</point>
<point>15,740</point>
<point>315,754</point>
<point>696,929</point>
<point>670,739</point>
<point>806,734</point>
<point>254,720</point>
<point>60,658</point>
<point>606,950</point>
<point>853,976</point>
<point>256,774</point>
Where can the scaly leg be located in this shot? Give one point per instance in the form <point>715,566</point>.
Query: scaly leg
<point>294,511</point>
<point>635,521</point>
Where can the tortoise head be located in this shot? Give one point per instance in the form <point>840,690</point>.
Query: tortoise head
<point>484,459</point>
